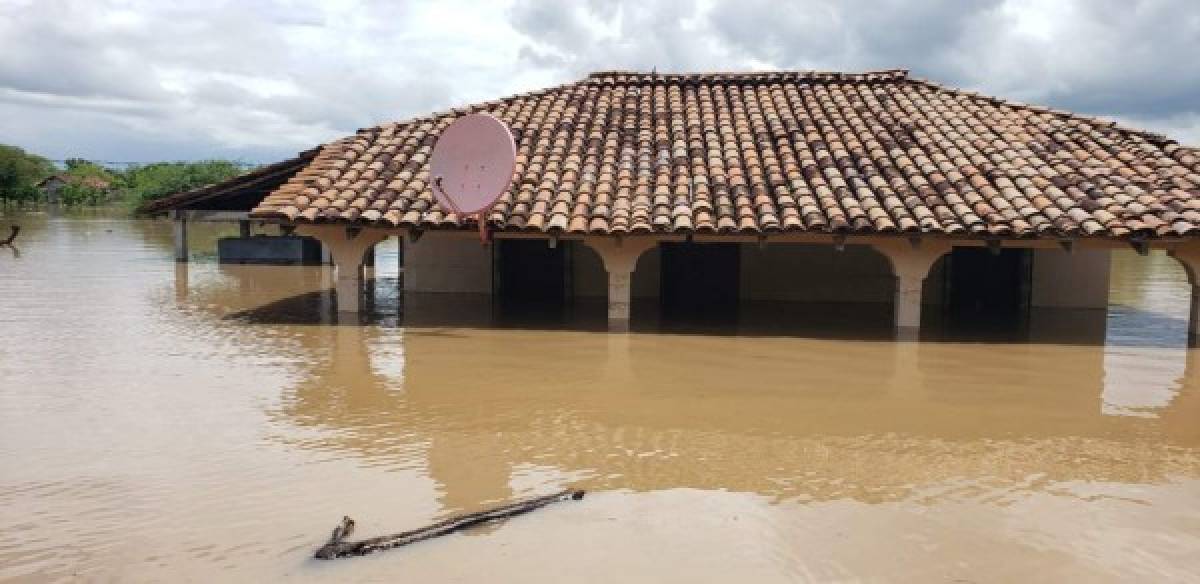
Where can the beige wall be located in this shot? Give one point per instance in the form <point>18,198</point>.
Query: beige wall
<point>1070,280</point>
<point>815,273</point>
<point>447,264</point>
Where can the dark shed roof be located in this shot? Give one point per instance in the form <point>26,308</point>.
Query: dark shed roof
<point>240,193</point>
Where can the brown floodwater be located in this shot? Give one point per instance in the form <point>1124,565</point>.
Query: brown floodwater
<point>213,423</point>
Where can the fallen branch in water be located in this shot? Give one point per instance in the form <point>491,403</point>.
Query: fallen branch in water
<point>337,547</point>
<point>15,230</point>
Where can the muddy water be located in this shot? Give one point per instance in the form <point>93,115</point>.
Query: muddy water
<point>213,424</point>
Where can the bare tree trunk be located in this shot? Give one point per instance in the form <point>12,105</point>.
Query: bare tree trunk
<point>15,230</point>
<point>337,547</point>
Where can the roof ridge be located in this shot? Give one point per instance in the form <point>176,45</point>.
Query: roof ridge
<point>624,77</point>
<point>482,106</point>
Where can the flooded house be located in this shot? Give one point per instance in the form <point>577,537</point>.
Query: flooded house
<point>702,193</point>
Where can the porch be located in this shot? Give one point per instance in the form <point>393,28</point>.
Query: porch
<point>661,280</point>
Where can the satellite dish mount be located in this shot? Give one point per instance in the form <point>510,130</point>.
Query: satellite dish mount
<point>472,166</point>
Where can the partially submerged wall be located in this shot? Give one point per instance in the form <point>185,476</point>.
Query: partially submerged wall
<point>445,264</point>
<point>1070,280</point>
<point>777,272</point>
<point>815,273</point>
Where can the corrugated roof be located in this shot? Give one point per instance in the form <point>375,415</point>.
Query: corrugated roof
<point>880,152</point>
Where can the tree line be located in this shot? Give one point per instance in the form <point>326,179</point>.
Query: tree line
<point>87,183</point>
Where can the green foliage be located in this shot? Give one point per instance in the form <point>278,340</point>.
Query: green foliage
<point>79,163</point>
<point>155,181</point>
<point>19,174</point>
<point>87,183</point>
<point>82,193</point>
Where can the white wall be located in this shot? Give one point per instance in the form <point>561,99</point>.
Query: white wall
<point>1070,280</point>
<point>447,264</point>
<point>815,273</point>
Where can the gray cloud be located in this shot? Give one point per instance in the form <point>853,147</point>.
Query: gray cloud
<point>262,79</point>
<point>618,35</point>
<point>1131,60</point>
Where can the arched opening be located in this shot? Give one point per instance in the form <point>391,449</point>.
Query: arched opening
<point>972,289</point>
<point>589,285</point>
<point>816,288</point>
<point>1189,258</point>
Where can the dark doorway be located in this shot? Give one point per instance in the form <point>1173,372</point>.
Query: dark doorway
<point>700,280</point>
<point>984,284</point>
<point>530,273</point>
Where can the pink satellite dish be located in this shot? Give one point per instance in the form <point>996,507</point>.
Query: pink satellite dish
<point>472,165</point>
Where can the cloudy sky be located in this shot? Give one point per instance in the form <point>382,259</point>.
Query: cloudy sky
<point>258,80</point>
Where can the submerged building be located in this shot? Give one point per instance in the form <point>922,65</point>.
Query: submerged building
<point>705,190</point>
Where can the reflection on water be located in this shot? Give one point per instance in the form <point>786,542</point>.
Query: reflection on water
<point>160,422</point>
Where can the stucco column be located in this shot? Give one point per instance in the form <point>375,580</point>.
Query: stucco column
<point>910,265</point>
<point>620,256</point>
<point>619,299</point>
<point>347,248</point>
<point>1189,257</point>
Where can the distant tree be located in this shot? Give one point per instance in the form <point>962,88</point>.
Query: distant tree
<point>161,179</point>
<point>74,163</point>
<point>19,174</point>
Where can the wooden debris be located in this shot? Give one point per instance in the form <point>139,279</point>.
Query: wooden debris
<point>338,547</point>
<point>11,236</point>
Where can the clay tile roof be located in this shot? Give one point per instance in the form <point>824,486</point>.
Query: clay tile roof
<point>876,152</point>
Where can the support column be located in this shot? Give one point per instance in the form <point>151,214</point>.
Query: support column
<point>400,263</point>
<point>348,247</point>
<point>180,232</point>
<point>620,256</point>
<point>1194,316</point>
<point>908,302</point>
<point>181,281</point>
<point>1189,257</point>
<point>368,263</point>
<point>910,264</point>
<point>244,228</point>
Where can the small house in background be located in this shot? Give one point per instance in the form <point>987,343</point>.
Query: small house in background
<point>52,186</point>
<point>704,191</point>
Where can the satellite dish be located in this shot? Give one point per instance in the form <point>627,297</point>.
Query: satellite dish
<point>472,165</point>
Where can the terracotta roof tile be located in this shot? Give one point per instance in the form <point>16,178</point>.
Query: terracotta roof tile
<point>875,152</point>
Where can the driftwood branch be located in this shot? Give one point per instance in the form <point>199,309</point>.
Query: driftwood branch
<point>338,547</point>
<point>11,236</point>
